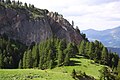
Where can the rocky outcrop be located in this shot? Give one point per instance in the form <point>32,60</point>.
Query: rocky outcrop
<point>17,24</point>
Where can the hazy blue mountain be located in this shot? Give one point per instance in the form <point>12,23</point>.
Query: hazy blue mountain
<point>109,37</point>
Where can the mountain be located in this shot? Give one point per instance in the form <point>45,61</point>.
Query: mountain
<point>109,37</point>
<point>30,24</point>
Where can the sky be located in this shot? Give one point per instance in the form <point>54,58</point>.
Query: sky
<point>86,14</point>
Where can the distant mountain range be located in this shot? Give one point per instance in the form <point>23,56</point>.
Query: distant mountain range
<point>110,38</point>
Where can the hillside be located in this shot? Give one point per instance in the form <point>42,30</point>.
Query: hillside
<point>38,44</point>
<point>110,37</point>
<point>58,73</point>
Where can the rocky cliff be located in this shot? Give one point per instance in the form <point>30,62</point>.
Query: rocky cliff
<point>34,25</point>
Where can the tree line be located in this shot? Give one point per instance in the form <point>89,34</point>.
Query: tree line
<point>99,53</point>
<point>48,54</point>
<point>51,53</point>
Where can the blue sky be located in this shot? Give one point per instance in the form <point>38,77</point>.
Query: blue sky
<point>86,14</point>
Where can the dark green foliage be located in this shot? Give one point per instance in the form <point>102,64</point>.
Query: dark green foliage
<point>67,59</point>
<point>81,76</point>
<point>29,59</point>
<point>11,51</point>
<point>24,59</point>
<point>26,6</point>
<point>106,74</point>
<point>97,52</point>
<point>20,64</point>
<point>8,2</point>
<point>60,58</point>
<point>73,73</point>
<point>91,50</point>
<point>104,55</point>
<point>1,61</point>
<point>82,48</point>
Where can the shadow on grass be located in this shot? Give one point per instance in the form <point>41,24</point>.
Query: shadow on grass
<point>75,63</point>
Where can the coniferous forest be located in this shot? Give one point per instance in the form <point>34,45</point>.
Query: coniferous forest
<point>51,53</point>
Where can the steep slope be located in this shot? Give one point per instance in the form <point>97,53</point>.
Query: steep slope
<point>29,25</point>
<point>110,37</point>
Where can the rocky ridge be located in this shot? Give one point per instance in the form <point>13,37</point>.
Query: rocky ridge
<point>35,25</point>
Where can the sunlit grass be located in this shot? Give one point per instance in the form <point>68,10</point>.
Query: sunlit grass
<point>58,73</point>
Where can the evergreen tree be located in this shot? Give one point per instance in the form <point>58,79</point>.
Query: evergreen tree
<point>10,62</point>
<point>60,57</point>
<point>115,60</point>
<point>70,50</point>
<point>35,56</point>
<point>8,2</point>
<point>62,45</point>
<point>67,59</point>
<point>91,50</point>
<point>20,64</point>
<point>29,59</point>
<point>49,59</point>
<point>26,6</point>
<point>72,23</point>
<point>1,61</point>
<point>51,64</point>
<point>73,73</point>
<point>24,59</point>
<point>104,55</point>
<point>82,48</point>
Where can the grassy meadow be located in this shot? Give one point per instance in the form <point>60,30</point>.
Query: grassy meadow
<point>58,73</point>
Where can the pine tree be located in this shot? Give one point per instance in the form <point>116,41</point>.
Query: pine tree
<point>62,45</point>
<point>24,59</point>
<point>35,56</point>
<point>104,55</point>
<point>8,2</point>
<point>20,64</point>
<point>50,64</point>
<point>82,48</point>
<point>49,58</point>
<point>73,73</point>
<point>60,57</point>
<point>91,50</point>
<point>26,6</point>
<point>11,62</point>
<point>67,59</point>
<point>87,48</point>
<point>29,59</point>
<point>1,61</point>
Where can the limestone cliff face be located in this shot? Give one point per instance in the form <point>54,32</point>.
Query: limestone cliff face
<point>18,25</point>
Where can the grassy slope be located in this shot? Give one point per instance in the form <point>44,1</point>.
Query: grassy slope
<point>59,73</point>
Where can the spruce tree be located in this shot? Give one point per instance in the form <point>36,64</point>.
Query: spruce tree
<point>35,56</point>
<point>20,64</point>
<point>73,73</point>
<point>8,2</point>
<point>67,59</point>
<point>60,57</point>
<point>24,59</point>
<point>29,59</point>
<point>1,61</point>
<point>91,50</point>
<point>82,48</point>
<point>104,55</point>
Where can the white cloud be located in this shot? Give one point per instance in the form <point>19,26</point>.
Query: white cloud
<point>96,14</point>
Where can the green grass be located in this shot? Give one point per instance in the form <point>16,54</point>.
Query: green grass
<point>58,73</point>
